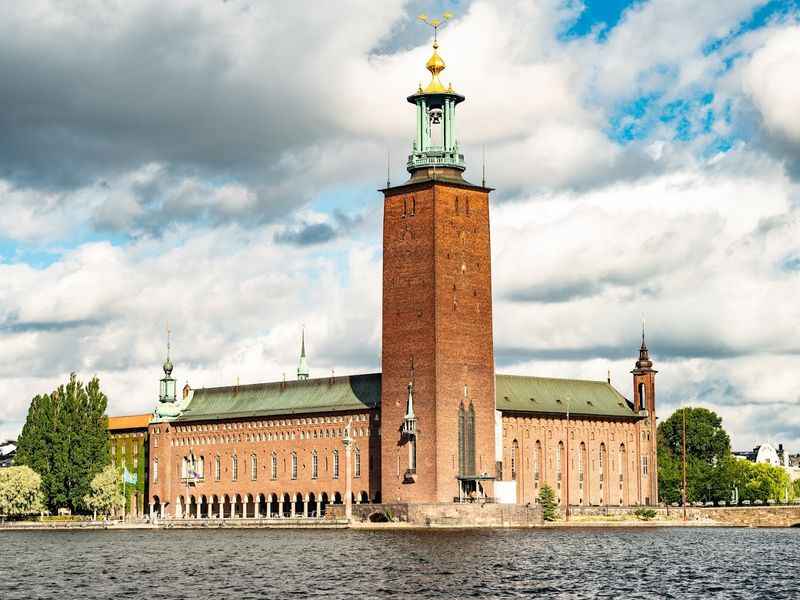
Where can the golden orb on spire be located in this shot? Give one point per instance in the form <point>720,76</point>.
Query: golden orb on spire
<point>435,63</point>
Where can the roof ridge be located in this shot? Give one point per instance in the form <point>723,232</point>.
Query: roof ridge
<point>289,383</point>
<point>602,381</point>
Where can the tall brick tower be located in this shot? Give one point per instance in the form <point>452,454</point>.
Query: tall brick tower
<point>437,391</point>
<point>644,400</point>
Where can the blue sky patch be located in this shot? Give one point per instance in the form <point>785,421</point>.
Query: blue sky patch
<point>600,16</point>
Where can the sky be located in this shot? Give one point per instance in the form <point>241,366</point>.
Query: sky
<point>212,168</point>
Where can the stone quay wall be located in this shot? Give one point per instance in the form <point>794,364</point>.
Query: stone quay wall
<point>737,516</point>
<point>445,514</point>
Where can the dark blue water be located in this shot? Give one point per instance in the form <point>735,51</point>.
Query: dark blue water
<point>547,563</point>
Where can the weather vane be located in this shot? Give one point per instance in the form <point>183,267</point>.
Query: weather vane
<point>436,23</point>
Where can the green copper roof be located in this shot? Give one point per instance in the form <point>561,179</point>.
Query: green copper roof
<point>516,393</point>
<point>356,392</point>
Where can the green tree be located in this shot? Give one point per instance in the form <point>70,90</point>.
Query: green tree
<point>708,451</point>
<point>20,492</point>
<point>65,438</point>
<point>547,500</point>
<point>105,492</point>
<point>705,438</point>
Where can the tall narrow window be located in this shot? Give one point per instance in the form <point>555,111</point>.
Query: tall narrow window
<point>405,207</point>
<point>413,206</point>
<point>253,467</point>
<point>357,463</point>
<point>622,464</point>
<point>294,465</point>
<point>336,464</point>
<point>644,466</point>
<point>155,469</point>
<point>642,396</point>
<point>274,466</point>
<point>217,468</point>
<point>514,458</point>
<point>602,463</point>
<point>456,204</point>
<point>314,465</point>
<point>470,461</point>
<point>559,451</point>
<point>200,467</point>
<point>466,201</point>
<point>235,468</point>
<point>581,452</point>
<point>537,461</point>
<point>185,468</point>
<point>461,438</point>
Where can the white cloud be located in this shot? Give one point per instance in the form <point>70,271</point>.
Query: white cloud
<point>202,128</point>
<point>771,79</point>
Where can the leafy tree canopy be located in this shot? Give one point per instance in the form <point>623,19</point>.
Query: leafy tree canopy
<point>712,472</point>
<point>20,492</point>
<point>706,440</point>
<point>65,440</point>
<point>105,495</point>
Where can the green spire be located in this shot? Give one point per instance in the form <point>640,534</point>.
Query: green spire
<point>302,367</point>
<point>167,406</point>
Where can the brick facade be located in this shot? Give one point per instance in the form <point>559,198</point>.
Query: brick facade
<point>605,459</point>
<point>236,489</point>
<point>437,313</point>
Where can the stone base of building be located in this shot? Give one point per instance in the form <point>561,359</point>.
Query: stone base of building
<point>445,515</point>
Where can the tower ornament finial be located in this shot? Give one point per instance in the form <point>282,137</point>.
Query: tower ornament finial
<point>435,63</point>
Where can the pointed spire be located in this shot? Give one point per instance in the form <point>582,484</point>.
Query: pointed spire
<point>483,173</point>
<point>168,363</point>
<point>644,361</point>
<point>302,367</point>
<point>410,419</point>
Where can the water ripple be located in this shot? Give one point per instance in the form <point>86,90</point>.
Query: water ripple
<point>551,563</point>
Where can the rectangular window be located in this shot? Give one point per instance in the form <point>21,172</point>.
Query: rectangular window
<point>314,465</point>
<point>357,464</point>
<point>274,467</point>
<point>155,470</point>
<point>217,468</point>
<point>294,466</point>
<point>644,466</point>
<point>235,469</point>
<point>335,464</point>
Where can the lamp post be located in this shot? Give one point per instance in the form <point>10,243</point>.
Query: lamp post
<point>348,503</point>
<point>683,411</point>
<point>566,511</point>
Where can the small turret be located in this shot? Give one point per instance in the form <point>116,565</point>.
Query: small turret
<point>167,397</point>
<point>302,367</point>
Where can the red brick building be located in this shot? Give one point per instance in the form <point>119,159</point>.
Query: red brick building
<point>437,424</point>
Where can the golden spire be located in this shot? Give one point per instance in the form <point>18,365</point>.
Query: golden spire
<point>435,63</point>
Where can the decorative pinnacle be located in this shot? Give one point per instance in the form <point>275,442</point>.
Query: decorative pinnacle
<point>435,63</point>
<point>168,363</point>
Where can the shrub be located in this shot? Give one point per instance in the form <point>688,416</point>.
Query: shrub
<point>645,514</point>
<point>547,500</point>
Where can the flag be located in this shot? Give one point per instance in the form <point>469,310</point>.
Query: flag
<point>128,477</point>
